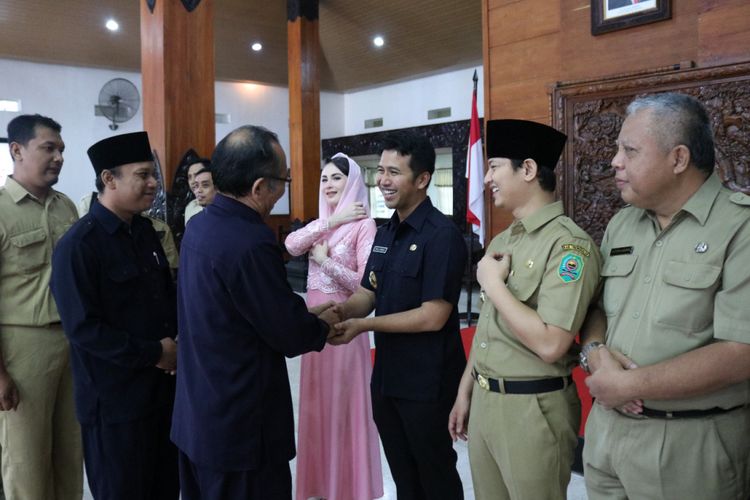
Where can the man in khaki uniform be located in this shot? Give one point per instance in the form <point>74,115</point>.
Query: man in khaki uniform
<point>538,278</point>
<point>672,417</point>
<point>39,435</point>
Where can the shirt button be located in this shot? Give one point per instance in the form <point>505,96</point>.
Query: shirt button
<point>636,315</point>
<point>648,279</point>
<point>659,243</point>
<point>483,345</point>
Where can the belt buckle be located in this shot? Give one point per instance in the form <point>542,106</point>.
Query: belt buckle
<point>483,383</point>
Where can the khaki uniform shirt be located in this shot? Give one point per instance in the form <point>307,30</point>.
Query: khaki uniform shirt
<point>672,291</point>
<point>555,271</point>
<point>29,230</point>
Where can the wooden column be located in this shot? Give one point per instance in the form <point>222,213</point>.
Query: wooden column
<point>177,64</point>
<point>304,107</point>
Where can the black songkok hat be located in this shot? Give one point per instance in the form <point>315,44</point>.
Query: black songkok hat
<point>521,139</point>
<point>120,150</point>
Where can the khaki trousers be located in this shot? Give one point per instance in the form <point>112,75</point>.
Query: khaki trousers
<point>41,439</point>
<point>521,446</point>
<point>686,459</point>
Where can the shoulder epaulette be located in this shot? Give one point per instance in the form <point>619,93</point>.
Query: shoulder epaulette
<point>740,199</point>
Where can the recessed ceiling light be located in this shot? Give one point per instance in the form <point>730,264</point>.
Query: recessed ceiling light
<point>378,41</point>
<point>257,46</point>
<point>112,25</point>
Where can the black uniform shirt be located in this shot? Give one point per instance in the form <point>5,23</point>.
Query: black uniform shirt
<point>413,261</point>
<point>114,291</point>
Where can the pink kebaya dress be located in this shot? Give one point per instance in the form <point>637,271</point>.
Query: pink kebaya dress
<point>338,453</point>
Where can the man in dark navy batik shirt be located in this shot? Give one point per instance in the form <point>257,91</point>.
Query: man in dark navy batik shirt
<point>413,281</point>
<point>114,290</point>
<point>238,319</point>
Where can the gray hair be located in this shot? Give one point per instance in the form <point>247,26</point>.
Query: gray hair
<point>678,119</point>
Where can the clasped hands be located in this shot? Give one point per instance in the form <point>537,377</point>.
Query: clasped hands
<point>607,382</point>
<point>341,330</point>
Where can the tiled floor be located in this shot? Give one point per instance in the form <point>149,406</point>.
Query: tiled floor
<point>576,489</point>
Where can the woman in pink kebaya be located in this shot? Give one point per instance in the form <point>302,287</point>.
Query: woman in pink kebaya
<point>338,454</point>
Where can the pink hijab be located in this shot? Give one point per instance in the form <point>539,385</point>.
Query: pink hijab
<point>355,190</point>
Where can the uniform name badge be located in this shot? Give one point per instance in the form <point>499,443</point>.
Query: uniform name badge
<point>570,268</point>
<point>373,280</point>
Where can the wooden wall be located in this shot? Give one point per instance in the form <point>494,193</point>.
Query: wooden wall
<point>531,44</point>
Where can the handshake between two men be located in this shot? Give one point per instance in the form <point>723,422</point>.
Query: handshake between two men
<point>342,329</point>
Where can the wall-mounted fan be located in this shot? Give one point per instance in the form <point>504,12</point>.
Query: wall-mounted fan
<point>119,101</point>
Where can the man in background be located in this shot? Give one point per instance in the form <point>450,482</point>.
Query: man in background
<point>537,278</point>
<point>112,283</point>
<point>668,345</point>
<point>39,436</point>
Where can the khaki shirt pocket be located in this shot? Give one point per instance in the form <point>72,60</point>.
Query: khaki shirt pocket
<point>28,251</point>
<point>686,299</point>
<point>616,273</point>
<point>523,287</point>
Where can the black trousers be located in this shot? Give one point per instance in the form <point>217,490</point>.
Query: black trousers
<point>418,447</point>
<point>271,482</point>
<point>132,460</point>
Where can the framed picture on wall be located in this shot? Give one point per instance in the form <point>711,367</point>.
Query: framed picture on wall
<point>611,15</point>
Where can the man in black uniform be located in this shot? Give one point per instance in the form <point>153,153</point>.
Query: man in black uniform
<point>112,285</point>
<point>413,281</point>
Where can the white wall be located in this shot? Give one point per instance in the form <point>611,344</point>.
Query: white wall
<point>405,104</point>
<point>68,94</point>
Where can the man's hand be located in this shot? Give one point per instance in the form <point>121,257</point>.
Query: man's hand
<point>458,420</point>
<point>316,310</point>
<point>331,317</point>
<point>493,267</point>
<point>347,330</point>
<point>634,406</point>
<point>319,253</point>
<point>340,311</point>
<point>355,211</point>
<point>608,383</point>
<point>9,398</point>
<point>168,359</point>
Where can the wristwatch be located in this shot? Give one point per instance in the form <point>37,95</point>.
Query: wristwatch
<point>583,357</point>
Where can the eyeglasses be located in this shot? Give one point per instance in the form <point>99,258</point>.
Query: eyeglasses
<point>287,179</point>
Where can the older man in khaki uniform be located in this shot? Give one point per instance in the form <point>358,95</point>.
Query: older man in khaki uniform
<point>672,419</point>
<point>538,277</point>
<point>39,435</point>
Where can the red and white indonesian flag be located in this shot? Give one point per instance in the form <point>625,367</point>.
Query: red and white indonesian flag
<point>475,173</point>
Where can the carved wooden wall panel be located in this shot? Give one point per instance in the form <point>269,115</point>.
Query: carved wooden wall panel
<point>591,114</point>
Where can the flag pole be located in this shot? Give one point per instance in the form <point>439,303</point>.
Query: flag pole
<point>470,220</point>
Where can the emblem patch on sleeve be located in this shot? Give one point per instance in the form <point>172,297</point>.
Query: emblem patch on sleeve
<point>570,268</point>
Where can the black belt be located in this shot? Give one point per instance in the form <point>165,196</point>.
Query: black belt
<point>522,386</point>
<point>648,412</point>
